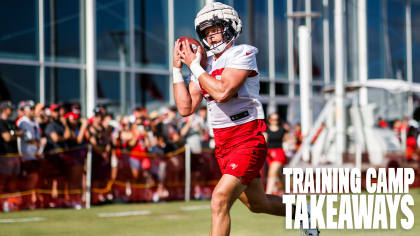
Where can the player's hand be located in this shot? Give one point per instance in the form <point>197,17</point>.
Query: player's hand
<point>187,55</point>
<point>177,56</point>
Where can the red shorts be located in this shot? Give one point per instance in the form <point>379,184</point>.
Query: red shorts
<point>276,154</point>
<point>241,150</point>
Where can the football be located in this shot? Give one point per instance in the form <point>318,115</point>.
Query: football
<point>194,47</point>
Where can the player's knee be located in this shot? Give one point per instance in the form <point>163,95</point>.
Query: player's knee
<point>219,203</point>
<point>256,208</point>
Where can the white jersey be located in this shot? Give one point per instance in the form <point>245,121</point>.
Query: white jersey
<point>243,107</point>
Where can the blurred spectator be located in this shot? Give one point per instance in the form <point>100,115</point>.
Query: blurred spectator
<point>9,157</point>
<point>168,129</point>
<point>30,145</point>
<point>411,145</point>
<point>75,155</point>
<point>57,132</point>
<point>101,151</point>
<point>139,161</point>
<point>169,140</point>
<point>158,167</point>
<point>276,157</point>
<point>31,141</point>
<point>192,128</point>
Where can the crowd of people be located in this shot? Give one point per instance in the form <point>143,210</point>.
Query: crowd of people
<point>46,147</point>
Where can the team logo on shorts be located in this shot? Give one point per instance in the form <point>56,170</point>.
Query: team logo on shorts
<point>233,165</point>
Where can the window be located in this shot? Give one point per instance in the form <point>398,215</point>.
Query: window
<point>62,30</point>
<point>415,26</point>
<point>254,29</point>
<point>152,90</point>
<point>185,12</point>
<point>280,38</point>
<point>19,83</point>
<point>111,87</point>
<point>112,34</point>
<point>62,85</point>
<point>151,33</point>
<point>19,29</point>
<point>386,39</point>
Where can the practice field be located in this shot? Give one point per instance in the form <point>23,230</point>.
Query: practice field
<point>173,218</point>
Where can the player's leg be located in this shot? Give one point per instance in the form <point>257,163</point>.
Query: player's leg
<point>224,195</point>
<point>272,176</point>
<point>257,201</point>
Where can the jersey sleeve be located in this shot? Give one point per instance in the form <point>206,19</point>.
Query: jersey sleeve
<point>243,58</point>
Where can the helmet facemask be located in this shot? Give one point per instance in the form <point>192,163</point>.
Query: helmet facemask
<point>228,35</point>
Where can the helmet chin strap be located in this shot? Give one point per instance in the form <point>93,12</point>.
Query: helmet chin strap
<point>218,48</point>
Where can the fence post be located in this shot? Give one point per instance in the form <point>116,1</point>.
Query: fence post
<point>88,176</point>
<point>187,172</point>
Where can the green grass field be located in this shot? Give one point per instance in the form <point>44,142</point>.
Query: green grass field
<point>165,219</point>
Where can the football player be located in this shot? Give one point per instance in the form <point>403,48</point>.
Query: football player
<point>230,84</point>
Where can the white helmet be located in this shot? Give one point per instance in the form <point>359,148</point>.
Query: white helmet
<point>218,14</point>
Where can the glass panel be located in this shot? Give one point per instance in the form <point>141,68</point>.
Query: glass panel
<point>19,83</point>
<point>184,13</point>
<point>386,39</point>
<point>113,91</point>
<point>62,85</point>
<point>298,5</point>
<point>282,89</point>
<point>254,29</point>
<point>280,40</point>
<point>415,26</point>
<point>332,40</point>
<point>112,34</point>
<point>297,90</point>
<point>19,29</point>
<point>62,30</point>
<point>282,111</point>
<point>351,41</point>
<point>151,33</point>
<point>317,42</point>
<point>264,88</point>
<point>152,91</point>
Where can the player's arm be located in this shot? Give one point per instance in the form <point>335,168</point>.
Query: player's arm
<point>221,90</point>
<point>224,89</point>
<point>187,99</point>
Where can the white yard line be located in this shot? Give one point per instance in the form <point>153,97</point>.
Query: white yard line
<point>124,213</point>
<point>32,219</point>
<point>195,208</point>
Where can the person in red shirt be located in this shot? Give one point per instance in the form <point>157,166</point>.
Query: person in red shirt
<point>411,145</point>
<point>139,161</point>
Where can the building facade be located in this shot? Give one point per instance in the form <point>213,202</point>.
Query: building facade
<point>46,55</point>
